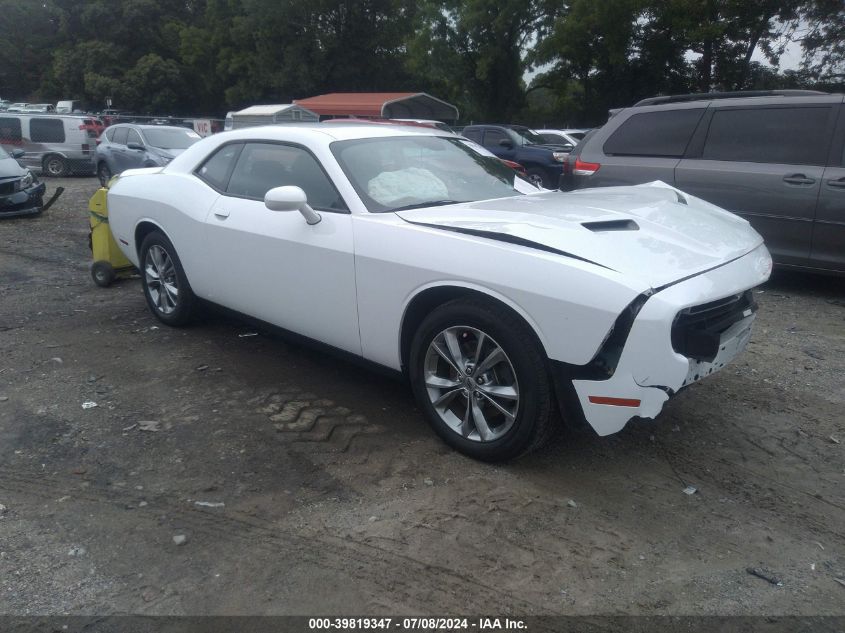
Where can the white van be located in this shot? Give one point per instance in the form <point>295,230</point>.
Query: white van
<point>54,145</point>
<point>69,106</point>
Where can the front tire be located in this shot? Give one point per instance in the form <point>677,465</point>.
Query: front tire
<point>103,173</point>
<point>166,288</point>
<point>479,375</point>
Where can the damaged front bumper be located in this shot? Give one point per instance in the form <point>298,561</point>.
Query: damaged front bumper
<point>663,352</point>
<point>25,202</point>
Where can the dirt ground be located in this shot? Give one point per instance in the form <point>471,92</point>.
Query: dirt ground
<point>302,484</point>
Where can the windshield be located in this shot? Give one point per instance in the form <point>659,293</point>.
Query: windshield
<point>401,172</point>
<point>529,137</point>
<point>171,138</point>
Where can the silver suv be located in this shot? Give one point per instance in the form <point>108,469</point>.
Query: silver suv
<point>128,146</point>
<point>776,158</point>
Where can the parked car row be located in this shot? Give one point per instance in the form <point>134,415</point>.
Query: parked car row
<point>542,157</point>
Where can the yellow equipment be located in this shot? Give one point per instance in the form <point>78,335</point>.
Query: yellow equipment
<point>109,262</point>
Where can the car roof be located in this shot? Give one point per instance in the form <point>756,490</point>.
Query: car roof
<point>336,131</point>
<point>50,115</point>
<point>143,126</point>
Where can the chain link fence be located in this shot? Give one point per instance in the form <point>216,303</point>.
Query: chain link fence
<point>55,146</point>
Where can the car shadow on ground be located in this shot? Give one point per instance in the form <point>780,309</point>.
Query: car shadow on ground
<point>802,283</point>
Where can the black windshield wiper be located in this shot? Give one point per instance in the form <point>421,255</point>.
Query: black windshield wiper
<point>429,203</point>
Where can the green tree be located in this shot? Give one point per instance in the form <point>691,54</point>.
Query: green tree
<point>474,52</point>
<point>824,40</point>
<point>27,32</point>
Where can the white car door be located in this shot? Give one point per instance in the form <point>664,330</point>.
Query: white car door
<point>274,266</point>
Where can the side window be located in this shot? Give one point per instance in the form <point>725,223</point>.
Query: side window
<point>120,135</point>
<point>216,169</point>
<point>109,134</point>
<point>263,166</point>
<point>47,130</point>
<point>553,138</point>
<point>132,136</point>
<point>10,131</point>
<point>664,133</point>
<point>792,135</point>
<point>473,135</point>
<point>492,138</point>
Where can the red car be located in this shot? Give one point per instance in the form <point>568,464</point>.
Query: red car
<point>94,127</point>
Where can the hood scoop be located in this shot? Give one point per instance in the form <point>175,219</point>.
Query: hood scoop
<point>603,226</point>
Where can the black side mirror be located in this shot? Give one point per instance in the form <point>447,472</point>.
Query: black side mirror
<point>506,142</point>
<point>17,153</point>
<point>136,146</point>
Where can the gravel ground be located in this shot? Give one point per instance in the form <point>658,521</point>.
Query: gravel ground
<point>295,483</point>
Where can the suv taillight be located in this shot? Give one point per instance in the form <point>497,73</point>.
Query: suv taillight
<point>583,168</point>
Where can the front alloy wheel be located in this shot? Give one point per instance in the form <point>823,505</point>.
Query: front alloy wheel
<point>479,375</point>
<point>471,384</point>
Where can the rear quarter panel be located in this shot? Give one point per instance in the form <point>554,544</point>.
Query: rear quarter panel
<point>178,204</point>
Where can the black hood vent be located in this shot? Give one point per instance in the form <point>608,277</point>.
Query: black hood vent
<point>604,226</point>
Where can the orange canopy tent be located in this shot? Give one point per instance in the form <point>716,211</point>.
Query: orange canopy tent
<point>388,105</point>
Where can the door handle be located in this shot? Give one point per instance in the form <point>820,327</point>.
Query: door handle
<point>798,179</point>
<point>839,184</point>
<point>221,213</point>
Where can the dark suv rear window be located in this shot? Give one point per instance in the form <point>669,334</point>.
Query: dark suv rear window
<point>662,133</point>
<point>791,135</point>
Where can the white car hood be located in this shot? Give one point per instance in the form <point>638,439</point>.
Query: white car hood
<point>645,231</point>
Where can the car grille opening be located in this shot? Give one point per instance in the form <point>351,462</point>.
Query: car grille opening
<point>8,187</point>
<point>697,331</point>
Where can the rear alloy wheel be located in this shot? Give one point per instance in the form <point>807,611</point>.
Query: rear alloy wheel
<point>103,173</point>
<point>480,377</point>
<point>55,166</point>
<point>166,287</point>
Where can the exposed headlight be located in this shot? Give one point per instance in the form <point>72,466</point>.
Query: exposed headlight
<point>26,181</point>
<point>560,156</point>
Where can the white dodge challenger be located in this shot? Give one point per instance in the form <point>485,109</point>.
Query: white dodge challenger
<point>407,248</point>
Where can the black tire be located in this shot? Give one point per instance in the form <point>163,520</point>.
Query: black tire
<point>103,274</point>
<point>184,306</point>
<point>103,173</point>
<point>539,177</point>
<point>55,166</point>
<point>534,422</point>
